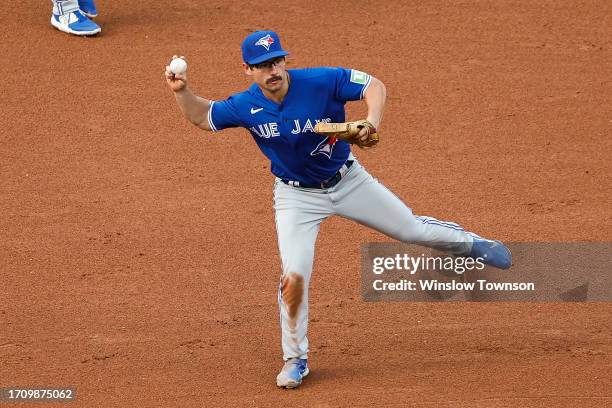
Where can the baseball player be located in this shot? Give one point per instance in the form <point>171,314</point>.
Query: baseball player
<point>317,176</point>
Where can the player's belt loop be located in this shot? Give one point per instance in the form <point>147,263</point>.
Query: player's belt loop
<point>335,179</point>
<point>329,183</point>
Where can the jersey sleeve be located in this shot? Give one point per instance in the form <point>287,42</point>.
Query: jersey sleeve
<point>223,114</point>
<point>351,84</point>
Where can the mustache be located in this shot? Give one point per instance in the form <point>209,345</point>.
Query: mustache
<point>274,78</point>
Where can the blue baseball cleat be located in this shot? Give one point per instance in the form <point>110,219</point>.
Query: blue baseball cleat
<point>75,23</point>
<point>292,373</point>
<point>89,8</point>
<point>493,253</point>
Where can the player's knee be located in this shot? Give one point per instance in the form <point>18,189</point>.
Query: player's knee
<point>292,289</point>
<point>300,263</point>
<point>410,231</point>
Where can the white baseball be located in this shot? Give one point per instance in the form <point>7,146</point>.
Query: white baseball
<point>178,66</point>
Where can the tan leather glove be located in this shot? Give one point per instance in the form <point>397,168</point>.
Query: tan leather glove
<point>349,132</point>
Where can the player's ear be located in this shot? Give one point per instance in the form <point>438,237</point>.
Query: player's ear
<point>247,70</point>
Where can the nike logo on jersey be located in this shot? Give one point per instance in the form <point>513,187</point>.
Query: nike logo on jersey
<point>308,126</point>
<point>254,111</point>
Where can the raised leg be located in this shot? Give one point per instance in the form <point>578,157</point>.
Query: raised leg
<point>362,198</point>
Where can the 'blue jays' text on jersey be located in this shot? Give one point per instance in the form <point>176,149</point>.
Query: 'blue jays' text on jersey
<point>284,132</point>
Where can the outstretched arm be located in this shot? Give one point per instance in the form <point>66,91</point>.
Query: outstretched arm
<point>195,108</point>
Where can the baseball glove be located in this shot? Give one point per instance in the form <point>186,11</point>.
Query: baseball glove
<point>349,132</point>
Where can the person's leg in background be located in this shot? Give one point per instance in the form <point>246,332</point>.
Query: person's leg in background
<point>89,8</point>
<point>67,16</point>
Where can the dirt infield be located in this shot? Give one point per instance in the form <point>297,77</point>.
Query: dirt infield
<point>138,254</point>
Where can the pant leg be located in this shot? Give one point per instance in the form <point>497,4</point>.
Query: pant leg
<point>364,199</point>
<point>61,7</point>
<point>298,218</point>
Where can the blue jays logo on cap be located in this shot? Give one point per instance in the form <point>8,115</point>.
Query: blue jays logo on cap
<point>265,41</point>
<point>261,46</point>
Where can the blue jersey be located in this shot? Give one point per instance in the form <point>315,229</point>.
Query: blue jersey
<point>284,132</point>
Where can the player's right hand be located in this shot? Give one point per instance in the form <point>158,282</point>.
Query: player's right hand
<point>176,82</point>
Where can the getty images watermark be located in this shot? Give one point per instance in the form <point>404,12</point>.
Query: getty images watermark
<point>549,272</point>
<point>448,264</point>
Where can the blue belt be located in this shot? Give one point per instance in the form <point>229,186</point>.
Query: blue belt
<point>329,183</point>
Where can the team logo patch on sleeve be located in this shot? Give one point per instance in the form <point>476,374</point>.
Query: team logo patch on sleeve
<point>359,77</point>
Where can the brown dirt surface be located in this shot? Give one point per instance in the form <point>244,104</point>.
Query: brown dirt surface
<point>138,254</point>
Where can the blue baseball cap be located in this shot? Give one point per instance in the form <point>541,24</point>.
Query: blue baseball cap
<point>261,46</point>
